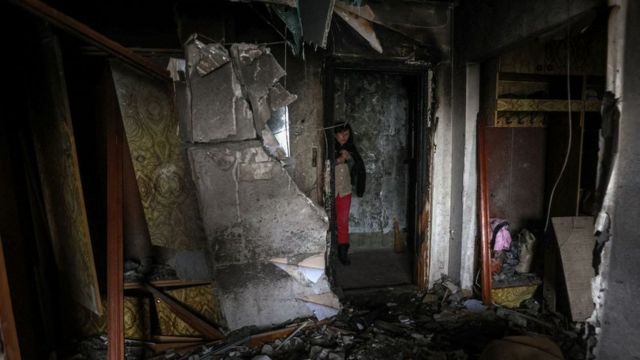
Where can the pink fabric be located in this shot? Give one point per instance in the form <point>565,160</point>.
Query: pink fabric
<point>503,238</point>
<point>343,203</point>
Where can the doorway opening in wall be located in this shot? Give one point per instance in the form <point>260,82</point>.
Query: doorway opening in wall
<point>384,105</point>
<point>543,105</point>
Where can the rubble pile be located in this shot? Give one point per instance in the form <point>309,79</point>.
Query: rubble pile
<point>386,324</point>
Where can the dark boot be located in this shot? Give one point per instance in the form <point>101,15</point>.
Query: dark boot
<point>342,254</point>
<point>346,255</point>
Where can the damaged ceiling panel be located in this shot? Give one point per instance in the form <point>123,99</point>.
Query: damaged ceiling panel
<point>362,26</point>
<point>159,161</point>
<point>316,20</point>
<point>413,19</point>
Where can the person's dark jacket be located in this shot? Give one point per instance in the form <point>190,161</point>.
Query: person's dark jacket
<point>356,166</point>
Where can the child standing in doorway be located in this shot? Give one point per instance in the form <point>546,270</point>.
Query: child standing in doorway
<point>349,175</point>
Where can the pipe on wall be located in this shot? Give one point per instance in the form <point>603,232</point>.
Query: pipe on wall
<point>484,214</point>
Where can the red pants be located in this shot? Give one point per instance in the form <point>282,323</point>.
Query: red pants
<point>343,203</point>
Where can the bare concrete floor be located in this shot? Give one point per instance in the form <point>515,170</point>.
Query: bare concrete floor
<point>373,269</point>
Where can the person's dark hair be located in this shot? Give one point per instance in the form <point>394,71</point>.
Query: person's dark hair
<point>340,127</point>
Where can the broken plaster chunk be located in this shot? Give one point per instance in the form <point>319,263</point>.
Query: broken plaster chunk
<point>212,56</point>
<point>280,97</point>
<point>248,53</point>
<point>257,68</point>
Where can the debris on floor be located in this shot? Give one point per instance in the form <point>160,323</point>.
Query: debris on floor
<point>400,323</point>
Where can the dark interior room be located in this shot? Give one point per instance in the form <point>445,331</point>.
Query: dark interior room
<point>320,179</point>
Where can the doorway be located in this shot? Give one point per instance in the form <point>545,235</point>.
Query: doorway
<point>384,105</point>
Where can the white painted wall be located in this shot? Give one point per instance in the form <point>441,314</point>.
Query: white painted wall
<point>470,180</point>
<point>441,179</point>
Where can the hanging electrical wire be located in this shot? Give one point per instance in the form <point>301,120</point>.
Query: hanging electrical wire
<point>570,140</point>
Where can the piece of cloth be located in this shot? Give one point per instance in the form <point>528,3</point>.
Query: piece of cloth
<point>343,204</point>
<point>501,235</point>
<point>357,171</point>
<point>343,180</point>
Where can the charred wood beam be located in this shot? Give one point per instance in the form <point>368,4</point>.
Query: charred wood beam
<point>84,32</point>
<point>185,314</point>
<point>115,254</point>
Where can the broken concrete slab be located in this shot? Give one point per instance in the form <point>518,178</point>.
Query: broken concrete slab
<point>217,108</point>
<point>205,58</point>
<point>260,294</point>
<point>254,212</point>
<point>252,208</point>
<point>212,57</point>
<point>280,97</point>
<point>213,104</point>
<point>258,71</point>
<point>214,173</point>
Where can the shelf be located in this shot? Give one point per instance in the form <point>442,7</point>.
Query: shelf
<point>546,105</point>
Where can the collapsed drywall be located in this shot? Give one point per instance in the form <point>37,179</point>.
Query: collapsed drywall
<point>266,238</point>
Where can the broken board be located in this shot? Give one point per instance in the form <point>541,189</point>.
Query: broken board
<point>56,155</point>
<point>575,241</point>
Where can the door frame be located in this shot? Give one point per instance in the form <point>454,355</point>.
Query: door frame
<point>419,140</point>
